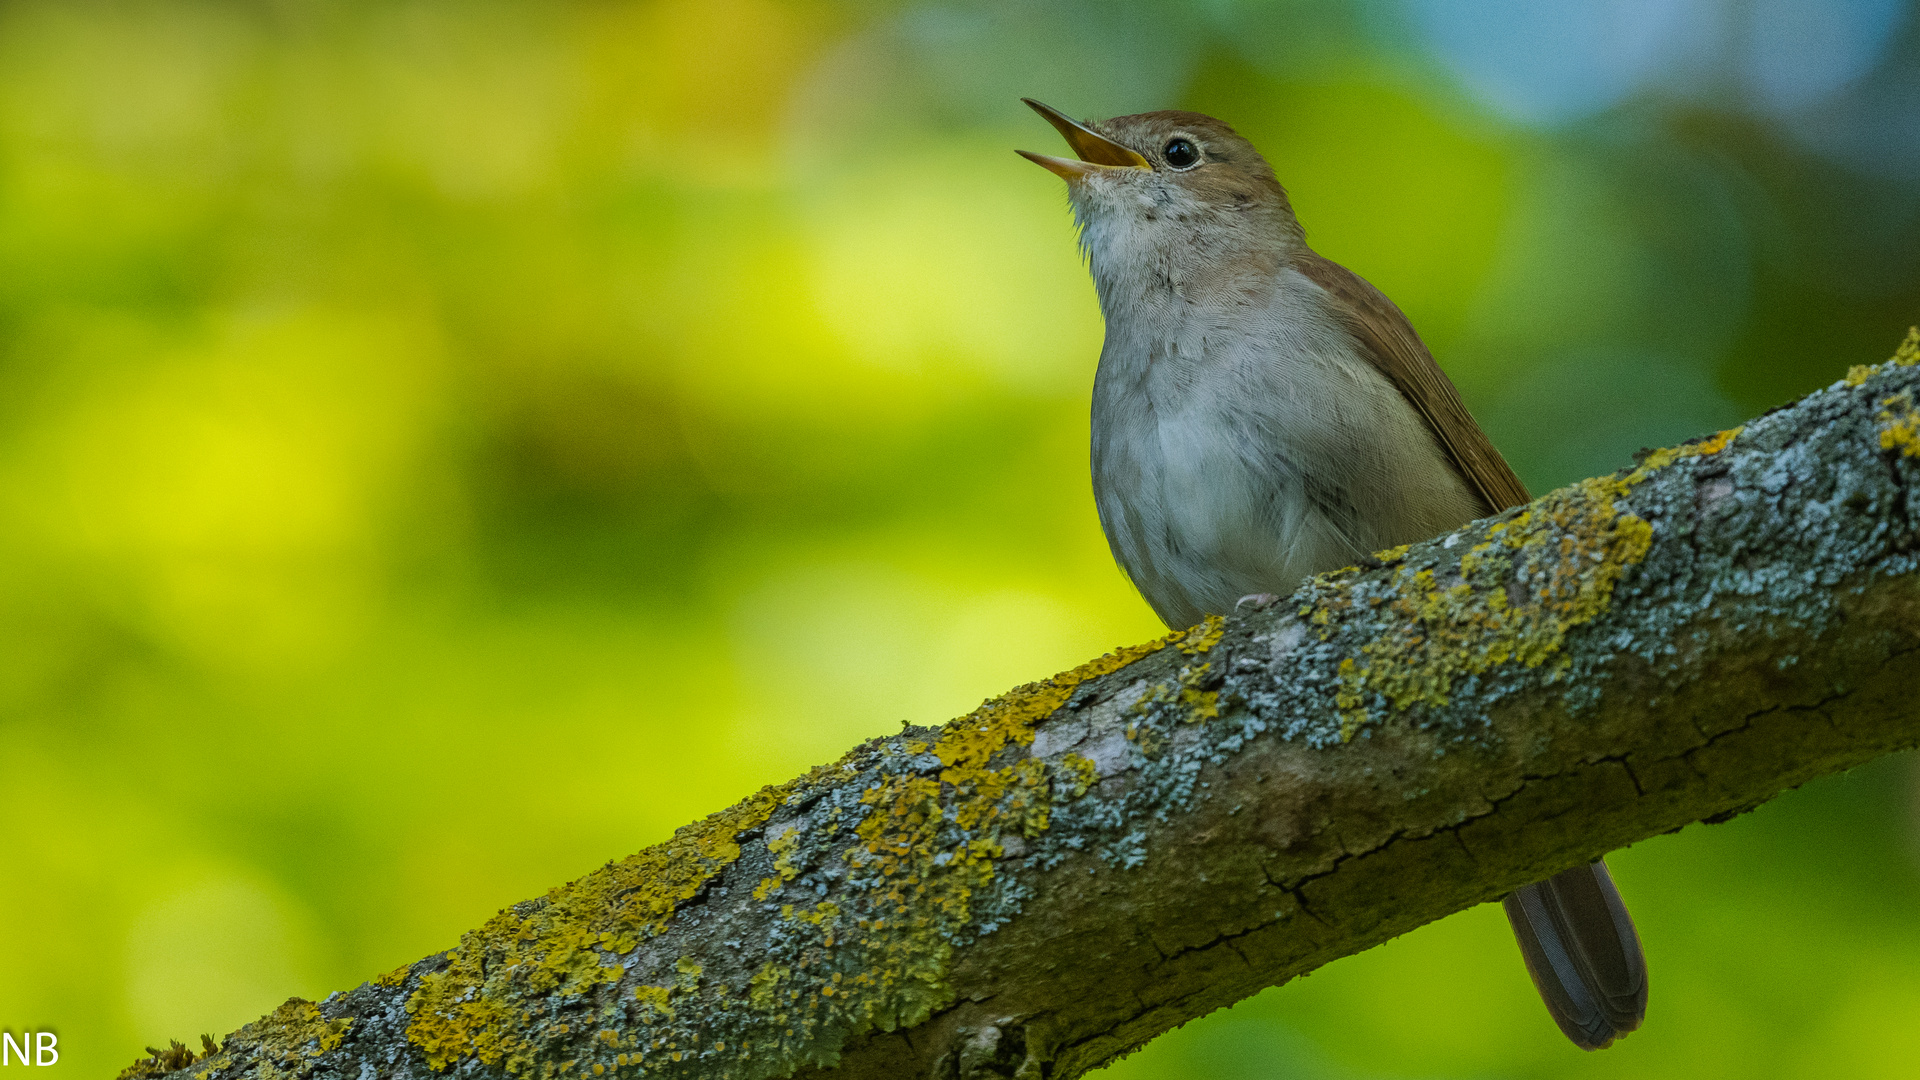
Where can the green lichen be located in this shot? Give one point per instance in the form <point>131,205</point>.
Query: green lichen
<point>1512,597</point>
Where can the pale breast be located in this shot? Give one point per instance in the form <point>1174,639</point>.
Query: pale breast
<point>1237,455</point>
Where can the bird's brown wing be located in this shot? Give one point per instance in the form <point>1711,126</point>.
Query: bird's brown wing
<point>1389,341</point>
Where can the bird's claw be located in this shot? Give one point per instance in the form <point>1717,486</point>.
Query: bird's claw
<point>1258,600</point>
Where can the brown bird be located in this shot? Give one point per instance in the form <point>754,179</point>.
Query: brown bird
<point>1261,414</point>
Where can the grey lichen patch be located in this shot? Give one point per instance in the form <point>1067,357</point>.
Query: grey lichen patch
<point>1170,730</point>
<point>1820,498</point>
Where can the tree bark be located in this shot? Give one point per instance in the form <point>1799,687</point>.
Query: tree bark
<point>1091,860</point>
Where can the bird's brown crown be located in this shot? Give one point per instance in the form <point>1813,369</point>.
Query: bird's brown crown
<point>1228,170</point>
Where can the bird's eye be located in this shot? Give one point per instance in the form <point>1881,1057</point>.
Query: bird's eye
<point>1181,153</point>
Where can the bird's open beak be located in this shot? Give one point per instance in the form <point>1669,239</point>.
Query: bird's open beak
<point>1096,151</point>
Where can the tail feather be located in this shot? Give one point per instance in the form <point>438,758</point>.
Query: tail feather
<point>1582,951</point>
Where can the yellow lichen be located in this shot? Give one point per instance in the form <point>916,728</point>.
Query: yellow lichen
<point>572,962</point>
<point>494,998</point>
<point>1899,425</point>
<point>1511,599</point>
<point>296,1031</point>
<point>927,879</point>
<point>1393,554</point>
<point>1666,456</point>
<point>333,1034</point>
<point>1199,639</point>
<point>656,998</point>
<point>763,988</point>
<point>1347,699</point>
<point>282,1045</point>
<point>1010,718</point>
<point>475,1005</point>
<point>1077,774</point>
<point>687,973</point>
<point>395,977</point>
<point>1906,355</point>
<point>781,847</point>
<point>163,1060</point>
<point>1199,704</point>
<point>449,1021</point>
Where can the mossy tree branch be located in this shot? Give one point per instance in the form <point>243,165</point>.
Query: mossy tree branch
<point>1089,861</point>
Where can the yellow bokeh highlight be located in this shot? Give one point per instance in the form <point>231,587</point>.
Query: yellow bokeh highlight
<point>956,264</point>
<point>219,950</point>
<point>240,482</point>
<point>698,87</point>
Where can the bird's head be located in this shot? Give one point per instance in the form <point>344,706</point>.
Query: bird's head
<point>1178,186</point>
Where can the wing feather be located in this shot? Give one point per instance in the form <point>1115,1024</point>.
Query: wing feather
<point>1389,341</point>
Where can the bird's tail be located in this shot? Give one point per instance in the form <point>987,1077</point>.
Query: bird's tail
<point>1583,954</point>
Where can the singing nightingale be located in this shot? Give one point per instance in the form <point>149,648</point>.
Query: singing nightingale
<point>1261,414</point>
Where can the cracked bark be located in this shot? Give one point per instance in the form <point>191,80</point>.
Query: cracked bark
<point>1666,646</point>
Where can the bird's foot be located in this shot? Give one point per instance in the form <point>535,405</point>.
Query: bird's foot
<point>1258,600</point>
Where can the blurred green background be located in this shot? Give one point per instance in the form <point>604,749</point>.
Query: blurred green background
<point>444,446</point>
